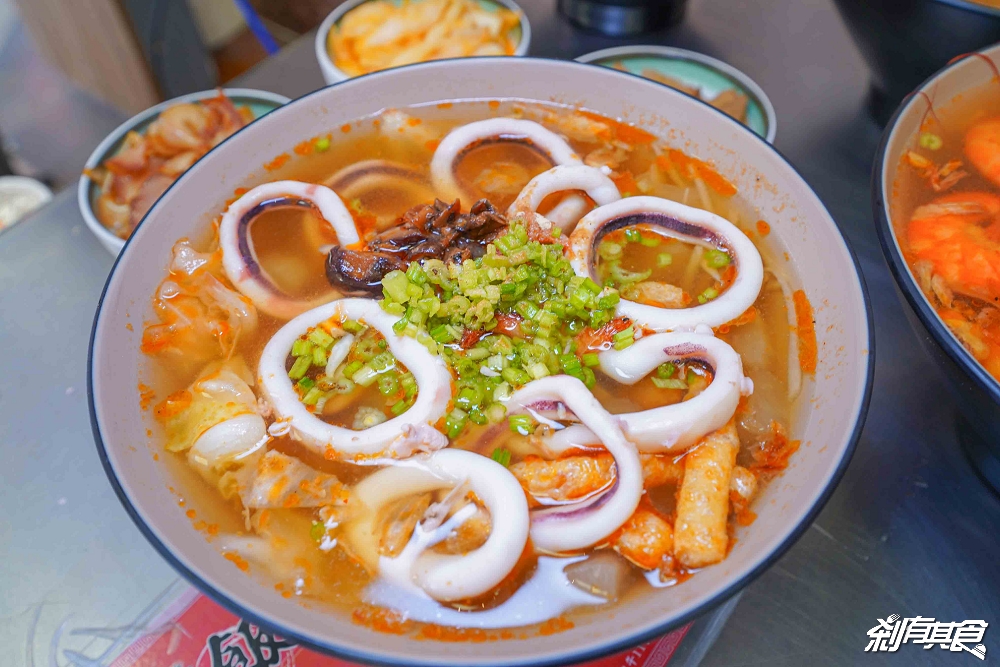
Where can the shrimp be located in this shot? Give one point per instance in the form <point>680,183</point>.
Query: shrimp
<point>982,147</point>
<point>959,235</point>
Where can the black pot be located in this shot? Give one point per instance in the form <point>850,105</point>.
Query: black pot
<point>622,18</point>
<point>906,41</point>
<point>976,392</point>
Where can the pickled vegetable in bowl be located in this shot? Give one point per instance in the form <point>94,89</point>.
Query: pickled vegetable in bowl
<point>380,34</point>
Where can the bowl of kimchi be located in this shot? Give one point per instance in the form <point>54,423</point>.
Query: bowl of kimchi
<point>936,196</point>
<point>142,157</point>
<point>364,36</point>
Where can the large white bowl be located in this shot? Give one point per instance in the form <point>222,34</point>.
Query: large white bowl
<point>260,102</point>
<point>828,422</point>
<point>333,74</point>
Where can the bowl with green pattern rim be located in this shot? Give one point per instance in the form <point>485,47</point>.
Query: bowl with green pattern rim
<point>260,103</point>
<point>710,75</point>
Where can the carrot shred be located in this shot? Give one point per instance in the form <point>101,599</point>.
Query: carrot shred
<point>806,331</point>
<point>278,162</point>
<point>625,183</point>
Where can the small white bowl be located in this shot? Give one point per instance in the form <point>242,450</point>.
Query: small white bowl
<point>333,74</point>
<point>260,102</point>
<point>33,194</point>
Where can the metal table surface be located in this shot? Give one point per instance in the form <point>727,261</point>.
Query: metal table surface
<point>910,530</point>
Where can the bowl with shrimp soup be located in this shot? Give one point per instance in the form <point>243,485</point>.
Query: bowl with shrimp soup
<point>455,363</point>
<point>936,195</point>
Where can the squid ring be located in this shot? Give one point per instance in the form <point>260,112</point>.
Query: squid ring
<point>356,179</point>
<point>560,178</point>
<point>584,523</point>
<point>493,130</point>
<point>239,258</point>
<point>674,428</point>
<point>687,224</point>
<point>444,577</point>
<point>399,437</point>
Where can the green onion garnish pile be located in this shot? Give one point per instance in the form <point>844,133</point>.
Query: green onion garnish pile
<point>502,320</point>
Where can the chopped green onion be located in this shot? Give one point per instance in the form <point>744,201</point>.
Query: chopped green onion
<point>521,424</point>
<point>633,235</point>
<point>538,370</point>
<point>708,295</point>
<point>320,337</point>
<point>318,530</point>
<point>624,334</point>
<point>300,368</point>
<point>322,144</point>
<point>399,407</point>
<point>301,348</point>
<point>395,284</point>
<point>609,300</point>
<point>319,356</point>
<point>366,376</point>
<point>666,370</point>
<point>716,259</point>
<point>609,250</point>
<point>930,141</point>
<point>409,385</point>
<point>669,383</point>
<point>622,344</point>
<point>352,326</point>
<point>495,412</point>
<point>591,359</point>
<point>455,422</point>
<point>312,396</point>
<point>305,384</point>
<point>388,384</point>
<point>351,368</point>
<point>501,456</point>
<point>624,277</point>
<point>650,240</point>
<point>515,376</point>
<point>664,259</point>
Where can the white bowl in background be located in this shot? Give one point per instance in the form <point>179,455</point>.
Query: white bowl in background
<point>27,195</point>
<point>260,102</point>
<point>333,74</point>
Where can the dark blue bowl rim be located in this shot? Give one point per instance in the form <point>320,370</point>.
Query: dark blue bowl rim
<point>610,648</point>
<point>943,336</point>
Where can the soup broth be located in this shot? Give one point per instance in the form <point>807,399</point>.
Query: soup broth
<point>477,305</point>
<point>945,206</point>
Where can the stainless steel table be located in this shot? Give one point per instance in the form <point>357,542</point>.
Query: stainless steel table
<point>910,530</point>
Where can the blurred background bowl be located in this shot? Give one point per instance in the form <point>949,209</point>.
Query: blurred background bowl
<point>260,103</point>
<point>333,74</point>
<point>621,18</point>
<point>906,41</point>
<point>976,391</point>
<point>709,75</point>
